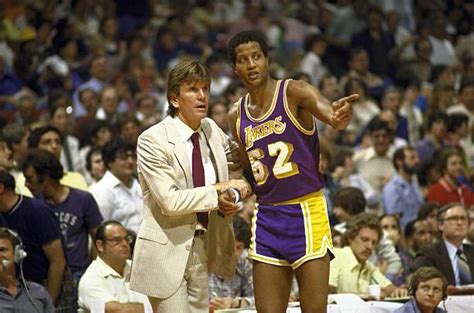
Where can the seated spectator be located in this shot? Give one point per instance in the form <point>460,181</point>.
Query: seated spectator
<point>402,196</point>
<point>11,88</point>
<point>428,287</point>
<point>148,112</point>
<point>457,131</point>
<point>343,172</point>
<point>60,117</point>
<point>427,213</point>
<point>94,165</point>
<point>129,128</point>
<point>374,163</point>
<point>359,68</point>
<point>443,50</point>
<point>16,136</point>
<point>447,189</point>
<point>28,113</point>
<point>410,109</point>
<point>350,271</point>
<point>349,202</point>
<point>443,97</point>
<point>377,42</point>
<point>219,81</point>
<point>364,108</point>
<point>433,140</point>
<point>311,64</point>
<point>75,209</point>
<point>392,100</point>
<point>450,256</point>
<point>391,119</point>
<point>109,105</point>
<point>420,65</point>
<point>6,161</point>
<point>219,113</point>
<point>118,193</point>
<point>417,235</point>
<point>330,184</point>
<point>90,101</point>
<point>104,282</point>
<point>328,86</point>
<point>391,226</point>
<point>465,105</point>
<point>18,295</point>
<point>236,292</point>
<point>98,134</point>
<point>50,138</point>
<point>98,79</point>
<point>39,229</point>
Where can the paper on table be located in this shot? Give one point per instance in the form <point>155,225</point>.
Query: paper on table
<point>350,303</point>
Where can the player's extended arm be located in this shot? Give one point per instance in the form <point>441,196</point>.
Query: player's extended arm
<point>304,97</point>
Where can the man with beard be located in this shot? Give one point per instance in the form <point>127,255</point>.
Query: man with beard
<point>402,195</point>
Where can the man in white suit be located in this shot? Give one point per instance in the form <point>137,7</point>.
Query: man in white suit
<point>183,165</point>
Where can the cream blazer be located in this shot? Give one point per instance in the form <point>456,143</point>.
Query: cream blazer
<point>166,234</point>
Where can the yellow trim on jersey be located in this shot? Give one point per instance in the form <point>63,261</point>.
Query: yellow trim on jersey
<point>305,131</point>
<point>317,255</point>
<point>270,110</point>
<point>307,226</point>
<point>253,229</point>
<point>298,200</point>
<point>317,229</point>
<point>267,260</point>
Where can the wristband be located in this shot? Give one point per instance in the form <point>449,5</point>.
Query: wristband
<point>236,194</point>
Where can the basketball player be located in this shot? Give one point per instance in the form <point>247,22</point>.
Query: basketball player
<point>275,127</point>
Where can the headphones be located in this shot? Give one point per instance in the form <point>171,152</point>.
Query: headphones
<point>19,251</point>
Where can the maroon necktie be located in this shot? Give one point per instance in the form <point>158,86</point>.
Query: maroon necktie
<point>198,174</point>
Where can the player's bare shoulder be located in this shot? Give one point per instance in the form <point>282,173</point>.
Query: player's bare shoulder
<point>234,111</point>
<point>233,116</point>
<point>299,91</point>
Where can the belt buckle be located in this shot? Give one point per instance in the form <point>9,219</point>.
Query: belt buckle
<point>199,232</point>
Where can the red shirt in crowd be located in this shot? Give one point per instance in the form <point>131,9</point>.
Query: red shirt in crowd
<point>443,193</point>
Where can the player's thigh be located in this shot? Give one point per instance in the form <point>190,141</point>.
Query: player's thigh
<point>272,285</point>
<point>313,280</point>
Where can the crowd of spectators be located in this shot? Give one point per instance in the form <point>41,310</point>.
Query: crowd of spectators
<point>82,79</point>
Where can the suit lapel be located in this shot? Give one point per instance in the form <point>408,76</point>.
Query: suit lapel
<point>180,151</point>
<point>469,252</point>
<point>217,160</point>
<point>445,256</point>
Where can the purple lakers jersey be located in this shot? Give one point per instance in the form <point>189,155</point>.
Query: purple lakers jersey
<point>283,155</point>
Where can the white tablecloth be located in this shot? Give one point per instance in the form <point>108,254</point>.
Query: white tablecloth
<point>454,304</point>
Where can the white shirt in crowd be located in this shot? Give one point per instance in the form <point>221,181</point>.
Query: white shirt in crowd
<point>101,284</point>
<point>117,202</point>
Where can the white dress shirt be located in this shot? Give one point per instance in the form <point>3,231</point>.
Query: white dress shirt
<point>101,284</point>
<point>118,202</point>
<point>453,257</point>
<point>185,133</point>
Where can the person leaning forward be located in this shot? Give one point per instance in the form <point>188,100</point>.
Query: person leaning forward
<point>183,167</point>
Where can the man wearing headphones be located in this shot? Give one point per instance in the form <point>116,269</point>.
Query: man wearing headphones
<point>427,287</point>
<point>18,295</point>
<point>450,256</point>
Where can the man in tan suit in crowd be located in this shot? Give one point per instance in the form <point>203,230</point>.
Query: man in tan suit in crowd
<point>183,167</point>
